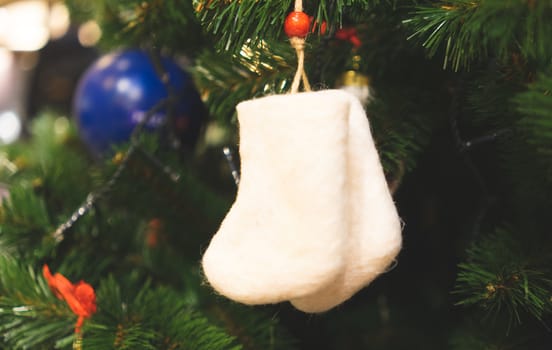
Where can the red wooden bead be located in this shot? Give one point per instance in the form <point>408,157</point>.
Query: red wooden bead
<point>297,23</point>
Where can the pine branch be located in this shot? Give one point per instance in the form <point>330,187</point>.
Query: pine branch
<point>472,335</point>
<point>150,319</point>
<point>31,317</point>
<point>254,328</point>
<point>185,198</point>
<point>48,181</point>
<point>24,223</point>
<point>471,31</point>
<point>536,106</point>
<point>255,71</point>
<point>57,162</point>
<point>236,23</point>
<point>167,24</point>
<point>500,276</point>
<point>494,106</point>
<point>401,131</point>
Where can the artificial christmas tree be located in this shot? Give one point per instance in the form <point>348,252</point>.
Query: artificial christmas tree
<point>461,120</point>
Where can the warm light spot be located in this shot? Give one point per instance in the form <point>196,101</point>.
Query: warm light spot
<point>89,33</point>
<point>24,25</point>
<point>59,20</point>
<point>10,127</point>
<point>61,126</point>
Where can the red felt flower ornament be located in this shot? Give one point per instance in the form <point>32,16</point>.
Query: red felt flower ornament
<point>80,297</point>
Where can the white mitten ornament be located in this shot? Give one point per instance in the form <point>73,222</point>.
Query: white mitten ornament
<point>375,227</point>
<point>285,236</point>
<point>313,221</point>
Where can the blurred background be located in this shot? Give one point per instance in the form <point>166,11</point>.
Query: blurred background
<point>42,56</point>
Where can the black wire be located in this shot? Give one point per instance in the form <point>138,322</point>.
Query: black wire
<point>94,196</point>
<point>486,199</point>
<point>167,170</point>
<point>460,144</point>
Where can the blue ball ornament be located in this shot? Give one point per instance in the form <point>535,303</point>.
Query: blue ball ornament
<point>117,91</point>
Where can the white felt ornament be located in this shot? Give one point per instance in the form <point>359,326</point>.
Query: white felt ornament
<point>286,233</point>
<point>375,227</point>
<point>313,221</point>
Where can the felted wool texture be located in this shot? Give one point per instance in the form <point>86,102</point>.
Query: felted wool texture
<point>375,231</point>
<point>285,235</point>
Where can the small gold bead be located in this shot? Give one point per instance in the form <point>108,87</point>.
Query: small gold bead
<point>118,158</point>
<point>77,343</point>
<point>20,162</point>
<point>37,182</point>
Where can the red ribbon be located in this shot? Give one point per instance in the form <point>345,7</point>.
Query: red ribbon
<point>350,35</point>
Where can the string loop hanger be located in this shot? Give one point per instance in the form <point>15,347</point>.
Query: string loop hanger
<point>296,26</point>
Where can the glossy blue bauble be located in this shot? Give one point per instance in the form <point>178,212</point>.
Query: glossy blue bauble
<point>117,91</point>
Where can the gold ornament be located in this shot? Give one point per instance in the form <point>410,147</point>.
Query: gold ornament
<point>21,162</point>
<point>355,82</point>
<point>37,183</point>
<point>353,78</point>
<point>118,158</point>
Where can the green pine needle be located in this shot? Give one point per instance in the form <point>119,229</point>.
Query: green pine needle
<point>31,317</point>
<point>150,318</point>
<point>501,277</point>
<point>536,106</point>
<point>472,31</point>
<point>235,23</point>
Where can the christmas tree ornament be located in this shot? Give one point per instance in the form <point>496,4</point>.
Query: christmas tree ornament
<point>118,90</point>
<point>313,220</point>
<point>297,23</point>
<point>80,297</point>
<point>349,34</point>
<point>285,235</point>
<point>355,82</point>
<point>374,225</point>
